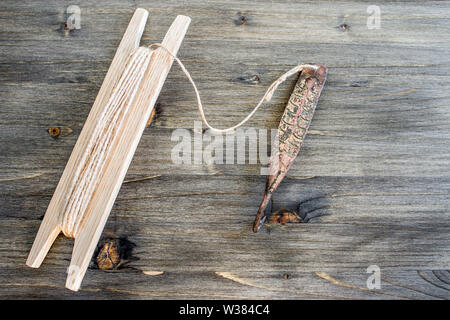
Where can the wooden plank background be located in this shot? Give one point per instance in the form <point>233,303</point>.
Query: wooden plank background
<point>373,175</point>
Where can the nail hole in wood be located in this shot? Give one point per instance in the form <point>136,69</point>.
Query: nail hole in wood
<point>249,78</point>
<point>344,27</point>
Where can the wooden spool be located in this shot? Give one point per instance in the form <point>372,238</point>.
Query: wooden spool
<point>100,159</point>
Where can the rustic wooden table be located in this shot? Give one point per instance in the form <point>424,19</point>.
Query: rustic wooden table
<point>373,176</point>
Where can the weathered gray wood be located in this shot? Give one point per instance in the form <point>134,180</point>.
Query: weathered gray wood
<point>373,176</point>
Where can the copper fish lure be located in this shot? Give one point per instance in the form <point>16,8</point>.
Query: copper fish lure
<point>292,131</point>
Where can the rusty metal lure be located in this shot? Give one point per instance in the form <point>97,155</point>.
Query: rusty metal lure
<point>292,131</point>
<point>293,126</point>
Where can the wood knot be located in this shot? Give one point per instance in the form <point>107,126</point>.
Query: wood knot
<point>56,132</point>
<point>284,216</point>
<point>240,19</point>
<point>286,276</point>
<point>113,253</point>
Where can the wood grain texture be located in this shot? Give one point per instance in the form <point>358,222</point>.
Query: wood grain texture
<point>372,178</point>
